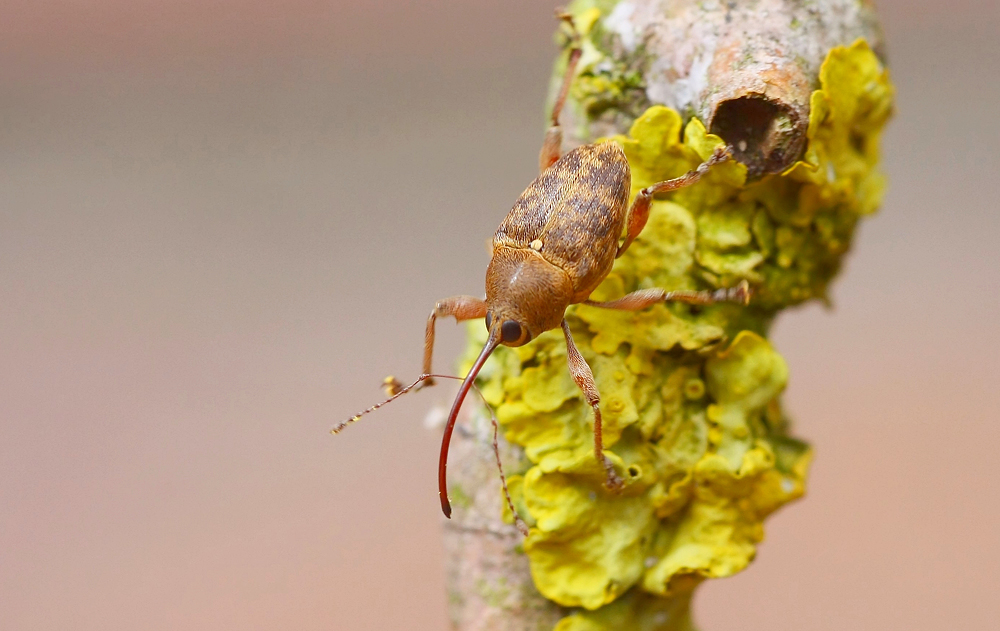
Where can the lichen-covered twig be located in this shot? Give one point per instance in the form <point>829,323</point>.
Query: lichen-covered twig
<point>745,69</point>
<point>691,393</point>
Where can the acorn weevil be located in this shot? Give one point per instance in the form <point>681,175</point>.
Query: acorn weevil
<point>552,250</point>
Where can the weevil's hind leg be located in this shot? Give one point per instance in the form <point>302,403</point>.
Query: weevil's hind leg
<point>638,213</point>
<point>584,378</point>
<point>461,308</point>
<point>648,297</point>
<point>552,145</point>
<point>518,522</point>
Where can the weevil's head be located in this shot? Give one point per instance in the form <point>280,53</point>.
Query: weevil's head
<point>525,295</point>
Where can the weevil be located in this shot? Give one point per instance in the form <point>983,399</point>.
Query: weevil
<point>552,250</point>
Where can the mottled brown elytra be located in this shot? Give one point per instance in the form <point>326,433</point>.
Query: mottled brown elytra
<point>551,251</point>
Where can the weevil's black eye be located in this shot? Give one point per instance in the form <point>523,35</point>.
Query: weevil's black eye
<point>510,331</point>
<point>489,320</point>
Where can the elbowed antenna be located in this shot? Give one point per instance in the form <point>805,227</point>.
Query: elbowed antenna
<point>488,348</point>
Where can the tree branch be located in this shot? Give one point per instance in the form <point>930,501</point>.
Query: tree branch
<point>690,395</point>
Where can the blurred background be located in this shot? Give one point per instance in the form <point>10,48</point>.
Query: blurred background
<point>222,223</point>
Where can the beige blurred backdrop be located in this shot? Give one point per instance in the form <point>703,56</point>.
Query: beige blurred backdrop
<point>222,223</point>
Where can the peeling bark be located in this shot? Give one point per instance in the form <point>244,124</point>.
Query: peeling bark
<point>746,69</point>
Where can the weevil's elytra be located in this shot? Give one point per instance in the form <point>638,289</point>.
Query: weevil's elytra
<point>579,202</point>
<point>554,247</point>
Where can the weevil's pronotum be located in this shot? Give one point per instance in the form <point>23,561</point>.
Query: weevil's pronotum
<point>552,250</point>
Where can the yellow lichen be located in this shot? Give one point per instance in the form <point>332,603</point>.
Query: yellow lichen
<point>690,395</point>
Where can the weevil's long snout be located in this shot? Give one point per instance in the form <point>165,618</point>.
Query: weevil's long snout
<point>491,344</point>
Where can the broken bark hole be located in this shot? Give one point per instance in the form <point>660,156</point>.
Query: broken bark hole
<point>761,133</point>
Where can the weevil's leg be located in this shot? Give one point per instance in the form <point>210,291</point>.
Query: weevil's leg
<point>462,308</point>
<point>552,145</point>
<point>518,522</point>
<point>648,297</point>
<point>639,211</point>
<point>584,378</point>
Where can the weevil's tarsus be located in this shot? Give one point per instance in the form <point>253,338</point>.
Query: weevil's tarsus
<point>461,308</point>
<point>644,298</point>
<point>638,213</point>
<point>584,378</point>
<point>574,59</point>
<point>552,145</point>
<point>566,18</point>
<point>449,428</point>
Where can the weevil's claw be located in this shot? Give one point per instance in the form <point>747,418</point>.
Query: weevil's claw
<point>614,483</point>
<point>565,16</point>
<point>743,292</point>
<point>740,293</point>
<point>720,155</point>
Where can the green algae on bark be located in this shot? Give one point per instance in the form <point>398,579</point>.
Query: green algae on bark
<point>690,395</point>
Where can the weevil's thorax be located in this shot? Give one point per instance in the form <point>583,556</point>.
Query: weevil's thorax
<point>523,287</point>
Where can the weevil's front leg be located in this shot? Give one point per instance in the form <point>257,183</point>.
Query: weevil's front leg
<point>462,308</point>
<point>638,214</point>
<point>584,378</point>
<point>552,145</point>
<point>648,297</point>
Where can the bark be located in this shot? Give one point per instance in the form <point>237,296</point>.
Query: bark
<point>745,68</point>
<point>488,580</point>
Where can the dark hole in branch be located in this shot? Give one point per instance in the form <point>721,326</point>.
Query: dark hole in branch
<point>764,135</point>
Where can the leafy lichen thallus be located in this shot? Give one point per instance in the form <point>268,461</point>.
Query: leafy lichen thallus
<point>551,251</point>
